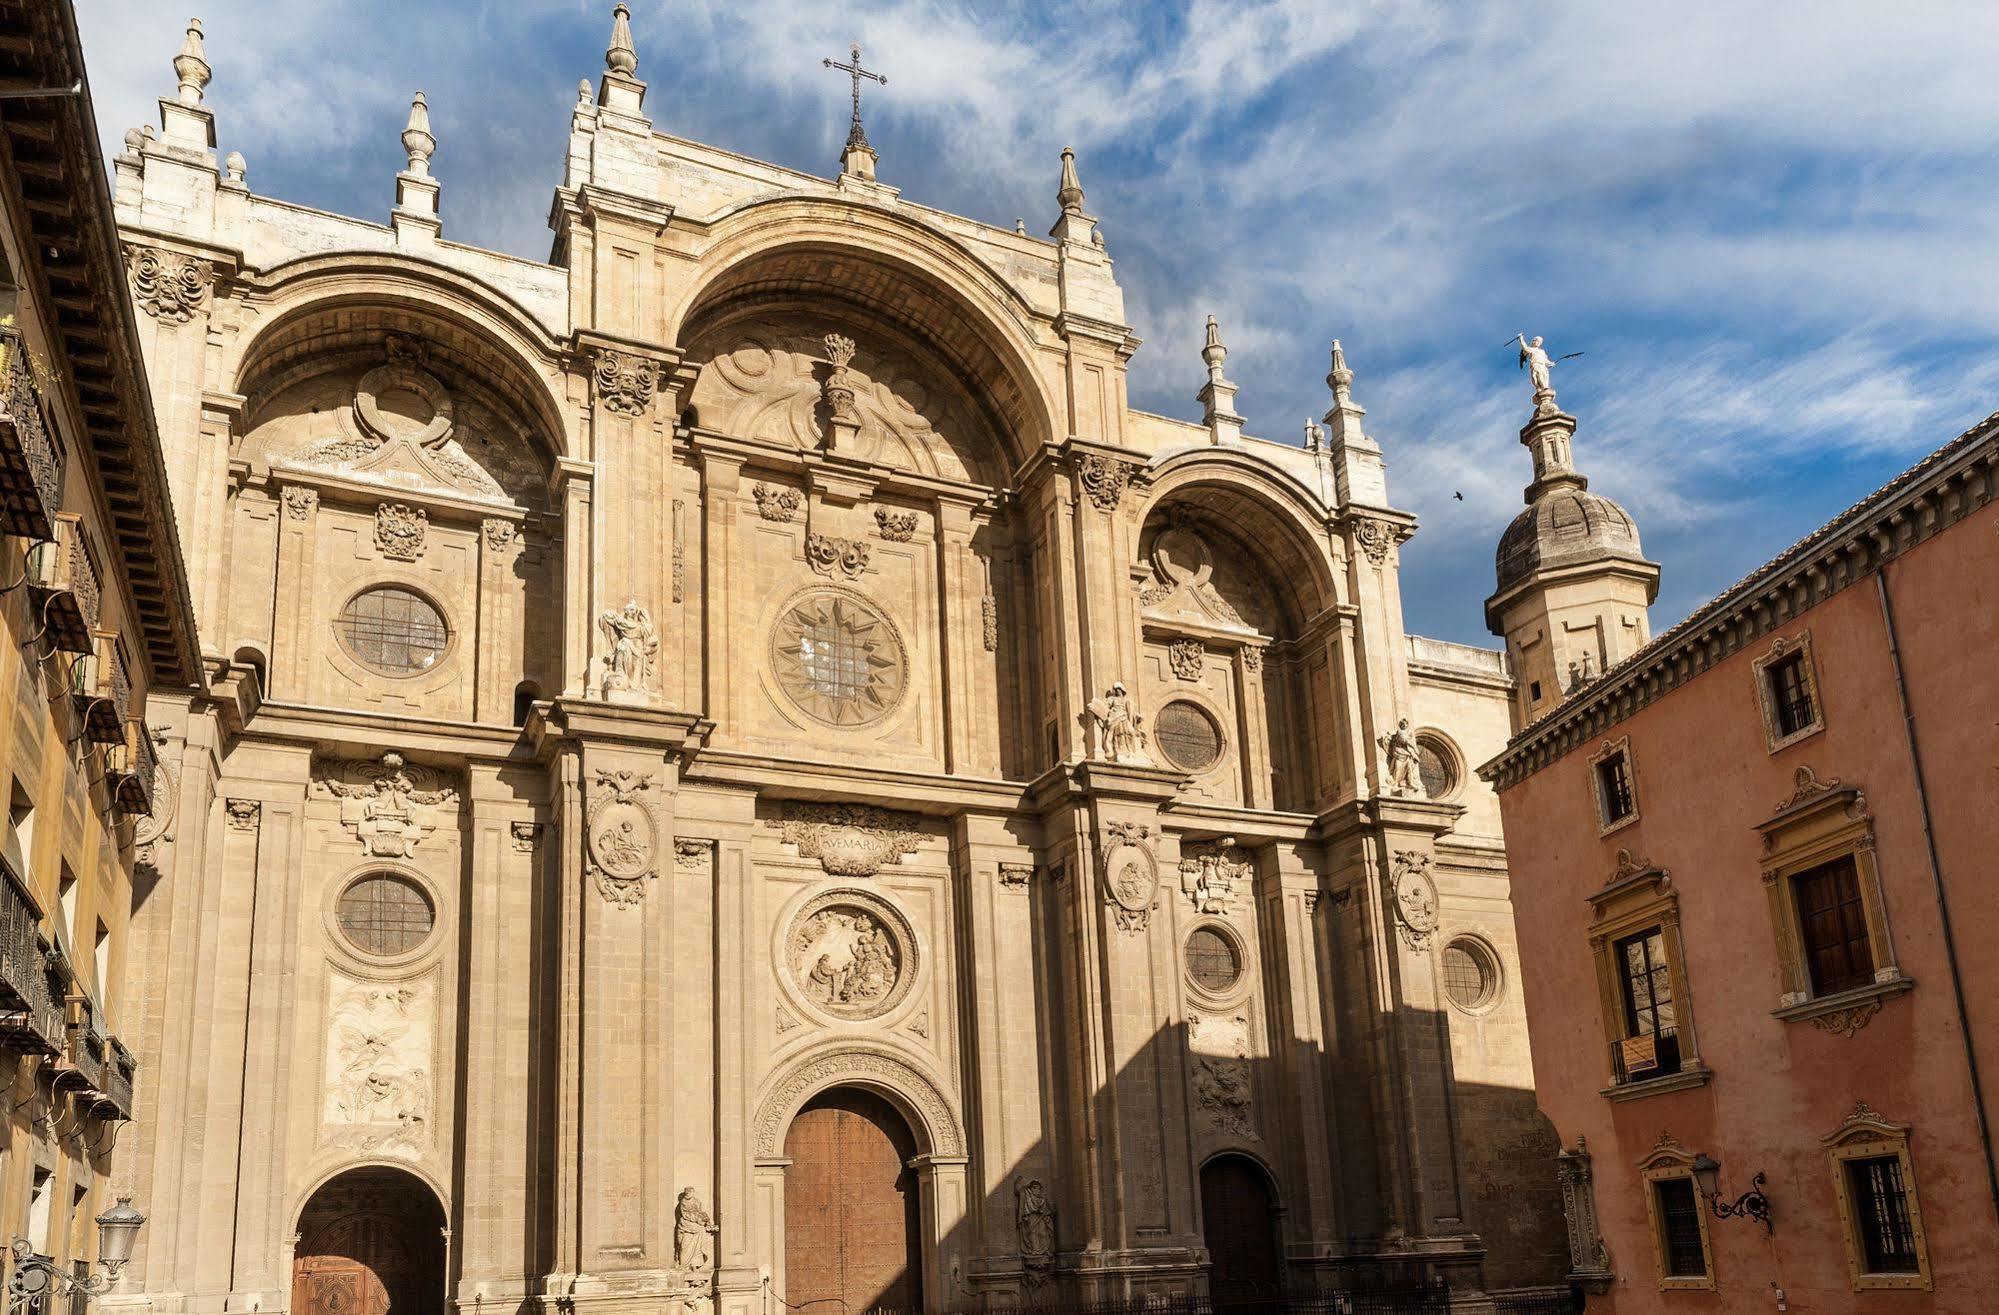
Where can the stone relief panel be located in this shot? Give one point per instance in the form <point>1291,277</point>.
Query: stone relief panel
<point>1221,1089</point>
<point>389,414</point>
<point>1211,873</point>
<point>390,806</point>
<point>1414,894</point>
<point>1187,577</point>
<point>850,955</point>
<point>622,835</point>
<point>848,840</point>
<point>764,378</point>
<point>1131,877</point>
<point>378,1085</point>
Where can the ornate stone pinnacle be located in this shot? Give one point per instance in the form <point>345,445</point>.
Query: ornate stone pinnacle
<point>1214,353</point>
<point>839,350</point>
<point>1340,380</point>
<point>583,92</point>
<point>621,57</point>
<point>191,65</point>
<point>1070,195</point>
<point>416,136</point>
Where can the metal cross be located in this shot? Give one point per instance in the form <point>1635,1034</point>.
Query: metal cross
<point>856,137</point>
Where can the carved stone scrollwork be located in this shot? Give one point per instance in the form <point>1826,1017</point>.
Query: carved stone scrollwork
<point>501,534</point>
<point>1845,1022</point>
<point>400,531</point>
<point>300,501</point>
<point>1104,478</point>
<point>775,502</point>
<point>1187,657</point>
<point>625,383</point>
<point>1589,1260</point>
<point>1374,537</point>
<point>831,556</point>
<point>168,286</point>
<point>389,806</point>
<point>849,840</point>
<point>1209,874</point>
<point>1016,876</point>
<point>1131,877</point>
<point>895,526</point>
<point>622,832</point>
<point>1252,659</point>
<point>1807,785</point>
<point>1415,898</point>
<point>693,855</point>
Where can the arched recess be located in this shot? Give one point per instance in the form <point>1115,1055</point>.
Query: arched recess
<point>790,252</point>
<point>1239,1226</point>
<point>370,1242</point>
<point>1234,580</point>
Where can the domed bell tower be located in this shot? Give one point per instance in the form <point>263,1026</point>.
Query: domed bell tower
<point>1573,584</point>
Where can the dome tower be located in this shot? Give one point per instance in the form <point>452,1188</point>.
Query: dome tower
<point>1573,582</point>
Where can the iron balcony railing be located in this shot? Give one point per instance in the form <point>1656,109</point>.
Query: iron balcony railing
<point>30,471</point>
<point>31,1015</point>
<point>62,581</point>
<point>102,691</point>
<point>80,1068</point>
<point>1641,1058</point>
<point>130,768</point>
<point>118,1070</point>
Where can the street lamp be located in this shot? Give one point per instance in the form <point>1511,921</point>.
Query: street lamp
<point>1752,1204</point>
<point>36,1278</point>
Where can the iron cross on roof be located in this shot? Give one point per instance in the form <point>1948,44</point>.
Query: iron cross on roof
<point>856,137</point>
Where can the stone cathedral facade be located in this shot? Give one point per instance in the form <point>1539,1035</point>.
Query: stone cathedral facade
<point>735,769</point>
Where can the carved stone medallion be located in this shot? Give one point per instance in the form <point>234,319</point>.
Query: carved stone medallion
<point>1131,878</point>
<point>849,840</point>
<point>850,955</point>
<point>390,806</point>
<point>623,835</point>
<point>1415,898</point>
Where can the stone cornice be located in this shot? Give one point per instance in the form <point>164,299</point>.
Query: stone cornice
<point>1936,493</point>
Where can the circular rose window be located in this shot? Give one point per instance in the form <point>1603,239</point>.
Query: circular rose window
<point>1188,736</point>
<point>839,659</point>
<point>1211,960</point>
<point>385,915</point>
<point>395,631</point>
<point>850,955</point>
<point>1471,977</point>
<point>1437,766</point>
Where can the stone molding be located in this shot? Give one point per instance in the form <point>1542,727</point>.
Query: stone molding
<point>935,1123</point>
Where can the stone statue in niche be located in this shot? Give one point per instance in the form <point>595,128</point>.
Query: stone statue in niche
<point>1034,1228</point>
<point>1120,727</point>
<point>1404,760</point>
<point>692,1230</point>
<point>845,961</point>
<point>634,642</point>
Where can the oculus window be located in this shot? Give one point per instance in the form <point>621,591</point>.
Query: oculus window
<point>394,631</point>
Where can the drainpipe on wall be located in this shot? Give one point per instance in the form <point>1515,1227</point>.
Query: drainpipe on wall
<point>1942,896</point>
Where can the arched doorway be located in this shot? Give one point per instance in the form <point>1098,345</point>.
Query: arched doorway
<point>370,1242</point>
<point>852,1224</point>
<point>1239,1225</point>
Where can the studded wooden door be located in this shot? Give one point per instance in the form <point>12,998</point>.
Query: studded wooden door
<point>851,1220</point>
<point>1240,1228</point>
<point>369,1244</point>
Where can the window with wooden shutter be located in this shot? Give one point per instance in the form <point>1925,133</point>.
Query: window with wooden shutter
<point>1832,922</point>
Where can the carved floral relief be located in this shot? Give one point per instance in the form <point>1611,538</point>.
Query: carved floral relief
<point>400,531</point>
<point>625,382</point>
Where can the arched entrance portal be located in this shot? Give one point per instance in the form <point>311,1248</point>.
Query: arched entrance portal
<point>852,1238</point>
<point>370,1242</point>
<point>1239,1224</point>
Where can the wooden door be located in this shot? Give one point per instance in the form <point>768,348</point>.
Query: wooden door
<point>1240,1228</point>
<point>852,1241</point>
<point>369,1244</point>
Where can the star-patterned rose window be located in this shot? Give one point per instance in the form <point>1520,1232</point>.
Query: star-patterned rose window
<point>839,659</point>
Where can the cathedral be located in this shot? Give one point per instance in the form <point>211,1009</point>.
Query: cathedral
<point>732,770</point>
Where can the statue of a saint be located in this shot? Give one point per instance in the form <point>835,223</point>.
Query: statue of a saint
<point>1033,1220</point>
<point>1120,727</point>
<point>1404,775</point>
<point>691,1230</point>
<point>634,646</point>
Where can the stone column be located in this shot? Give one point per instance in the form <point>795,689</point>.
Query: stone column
<point>573,485</point>
<point>720,480</point>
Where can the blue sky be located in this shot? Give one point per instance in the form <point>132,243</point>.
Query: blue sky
<point>1773,229</point>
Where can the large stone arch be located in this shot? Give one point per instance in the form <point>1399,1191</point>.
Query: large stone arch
<point>871,1068</point>
<point>897,268</point>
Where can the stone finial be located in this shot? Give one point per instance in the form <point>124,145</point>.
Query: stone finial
<point>1315,437</point>
<point>417,139</point>
<point>1020,227</point>
<point>191,65</point>
<point>621,57</point>
<point>235,165</point>
<point>583,92</point>
<point>134,139</point>
<point>1070,195</point>
<point>1340,379</point>
<point>1214,353</point>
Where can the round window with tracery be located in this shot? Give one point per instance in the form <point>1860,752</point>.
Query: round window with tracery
<point>395,631</point>
<point>1188,736</point>
<point>1437,766</point>
<point>839,659</point>
<point>385,915</point>
<point>1211,960</point>
<point>1471,977</point>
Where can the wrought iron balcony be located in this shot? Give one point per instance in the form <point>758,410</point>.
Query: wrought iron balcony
<point>129,770</point>
<point>30,472</point>
<point>62,582</point>
<point>1642,1058</point>
<point>118,1069</point>
<point>80,1066</point>
<point>102,691</point>
<point>31,1016</point>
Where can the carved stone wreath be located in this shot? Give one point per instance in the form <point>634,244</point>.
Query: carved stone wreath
<point>849,840</point>
<point>776,503</point>
<point>625,383</point>
<point>937,1130</point>
<point>850,955</point>
<point>1415,898</point>
<point>168,286</point>
<point>831,556</point>
<point>622,832</point>
<point>1131,877</point>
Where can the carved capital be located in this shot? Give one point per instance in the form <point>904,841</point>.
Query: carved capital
<point>300,501</point>
<point>401,531</point>
<point>1104,478</point>
<point>168,286</point>
<point>524,835</point>
<point>624,382</point>
<point>1015,877</point>
<point>244,814</point>
<point>501,534</point>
